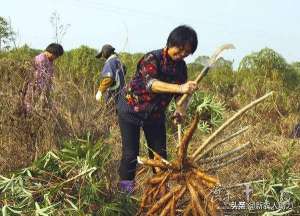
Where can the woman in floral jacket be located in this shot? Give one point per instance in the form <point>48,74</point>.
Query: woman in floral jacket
<point>161,75</point>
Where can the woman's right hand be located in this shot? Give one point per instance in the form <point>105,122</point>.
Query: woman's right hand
<point>188,88</point>
<point>98,95</point>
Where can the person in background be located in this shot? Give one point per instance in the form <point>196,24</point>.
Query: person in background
<point>112,75</point>
<point>41,84</point>
<point>161,75</point>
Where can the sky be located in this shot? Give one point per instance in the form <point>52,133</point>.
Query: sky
<point>142,26</point>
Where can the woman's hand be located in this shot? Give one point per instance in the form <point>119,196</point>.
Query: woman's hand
<point>188,88</point>
<point>179,115</point>
<point>98,96</point>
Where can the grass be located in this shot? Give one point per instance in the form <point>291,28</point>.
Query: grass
<point>73,180</point>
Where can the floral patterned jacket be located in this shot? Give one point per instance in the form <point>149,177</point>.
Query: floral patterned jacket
<point>155,65</point>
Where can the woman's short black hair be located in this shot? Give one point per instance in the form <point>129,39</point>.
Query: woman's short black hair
<point>181,36</point>
<point>55,49</point>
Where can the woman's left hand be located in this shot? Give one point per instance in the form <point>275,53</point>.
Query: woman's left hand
<point>178,115</point>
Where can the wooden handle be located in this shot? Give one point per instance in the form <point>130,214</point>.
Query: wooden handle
<point>205,70</point>
<point>202,74</point>
<point>197,80</point>
<point>182,99</point>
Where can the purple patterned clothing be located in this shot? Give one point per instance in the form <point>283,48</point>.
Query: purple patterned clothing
<point>41,83</point>
<point>43,72</point>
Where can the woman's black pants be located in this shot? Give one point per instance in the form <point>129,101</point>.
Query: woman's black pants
<point>155,134</point>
